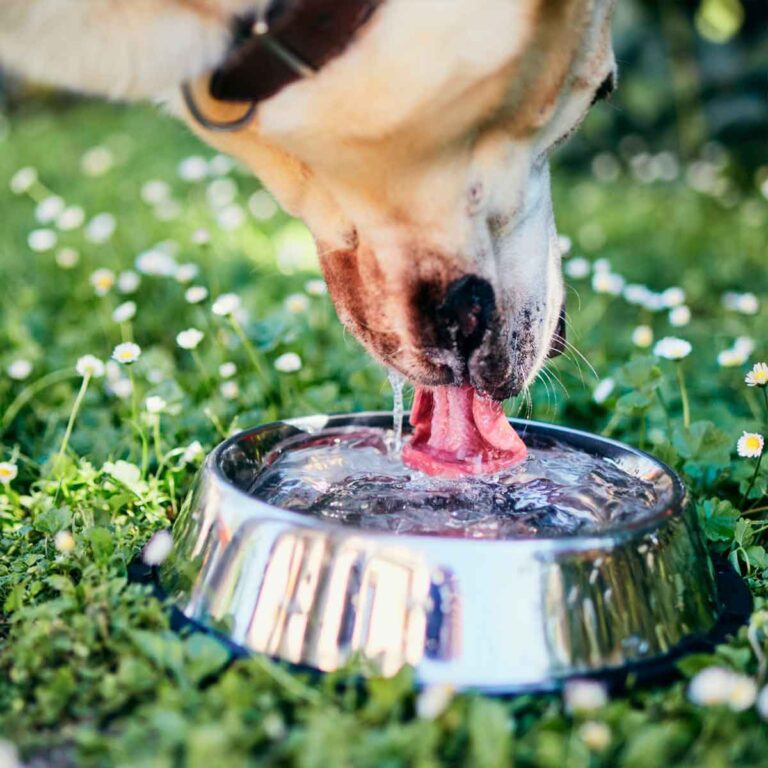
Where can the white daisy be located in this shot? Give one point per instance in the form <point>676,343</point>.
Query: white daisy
<point>642,336</point>
<point>70,218</point>
<point>745,345</point>
<point>565,244</point>
<point>289,362</point>
<point>262,205</point>
<point>434,700</point>
<point>296,303</point>
<point>229,390</point>
<point>19,369</point>
<point>672,348</point>
<point>679,316</point>
<point>121,388</point>
<point>100,228</point>
<point>64,542</point>
<point>67,258</point>
<point>97,161</point>
<point>596,736</point>
<point>748,304</point>
<point>186,273</point>
<point>230,217</point>
<point>90,365</point>
<point>636,294</point>
<point>124,312</point>
<point>157,262</point>
<point>128,281</point>
<point>42,240</point>
<point>750,445</point>
<point>673,297</point>
<point>23,180</point>
<point>193,168</point>
<point>157,549</point>
<point>192,452</point>
<point>8,472</point>
<point>717,686</point>
<point>603,390</point>
<point>758,376</point>
<point>49,209</point>
<point>126,353</point>
<point>102,281</point>
<point>607,282</point>
<point>316,287</point>
<point>584,695</point>
<point>226,304</point>
<point>731,358</point>
<point>744,303</point>
<point>220,165</point>
<point>154,191</point>
<point>155,404</point>
<point>195,294</point>
<point>577,268</point>
<point>227,370</point>
<point>190,339</point>
<point>221,193</point>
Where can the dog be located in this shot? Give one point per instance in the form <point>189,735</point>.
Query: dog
<point>412,136</point>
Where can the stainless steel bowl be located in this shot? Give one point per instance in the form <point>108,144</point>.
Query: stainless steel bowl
<point>501,615</point>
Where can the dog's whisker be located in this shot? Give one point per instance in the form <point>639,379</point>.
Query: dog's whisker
<point>578,298</point>
<point>558,380</point>
<point>578,352</point>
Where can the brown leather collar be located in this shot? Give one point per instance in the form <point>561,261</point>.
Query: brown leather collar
<point>295,39</point>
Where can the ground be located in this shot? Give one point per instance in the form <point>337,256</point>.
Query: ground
<point>90,673</point>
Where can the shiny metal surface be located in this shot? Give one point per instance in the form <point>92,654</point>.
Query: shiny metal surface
<point>500,615</point>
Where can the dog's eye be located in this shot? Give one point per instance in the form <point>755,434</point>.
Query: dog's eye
<point>607,87</point>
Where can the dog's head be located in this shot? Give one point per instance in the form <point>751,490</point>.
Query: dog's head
<point>418,157</point>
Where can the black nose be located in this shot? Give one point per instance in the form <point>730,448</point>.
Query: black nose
<point>558,339</point>
<point>465,314</point>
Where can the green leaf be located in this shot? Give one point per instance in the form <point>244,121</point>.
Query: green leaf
<point>127,474</point>
<point>718,519</point>
<point>53,520</point>
<point>204,656</point>
<point>634,403</point>
<point>489,734</point>
<point>639,373</point>
<point>101,541</point>
<point>164,649</point>
<point>690,665</point>
<point>703,443</point>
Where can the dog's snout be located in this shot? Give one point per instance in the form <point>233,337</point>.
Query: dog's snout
<point>465,313</point>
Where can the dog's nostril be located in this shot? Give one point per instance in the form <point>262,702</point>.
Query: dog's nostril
<point>558,339</point>
<point>465,314</point>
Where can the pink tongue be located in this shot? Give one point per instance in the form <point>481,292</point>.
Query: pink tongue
<point>457,432</point>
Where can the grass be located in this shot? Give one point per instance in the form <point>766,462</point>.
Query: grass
<point>90,673</point>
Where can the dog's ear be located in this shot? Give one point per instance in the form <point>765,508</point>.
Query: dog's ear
<point>124,49</point>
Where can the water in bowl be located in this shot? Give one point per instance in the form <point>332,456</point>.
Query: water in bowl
<point>354,477</point>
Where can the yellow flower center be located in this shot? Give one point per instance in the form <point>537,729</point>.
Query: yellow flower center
<point>752,443</point>
<point>5,472</point>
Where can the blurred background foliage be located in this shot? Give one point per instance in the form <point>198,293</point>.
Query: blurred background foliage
<point>691,72</point>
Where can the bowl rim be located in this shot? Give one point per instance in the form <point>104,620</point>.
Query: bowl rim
<point>646,525</point>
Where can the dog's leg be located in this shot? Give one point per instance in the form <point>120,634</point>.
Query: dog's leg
<point>126,49</point>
